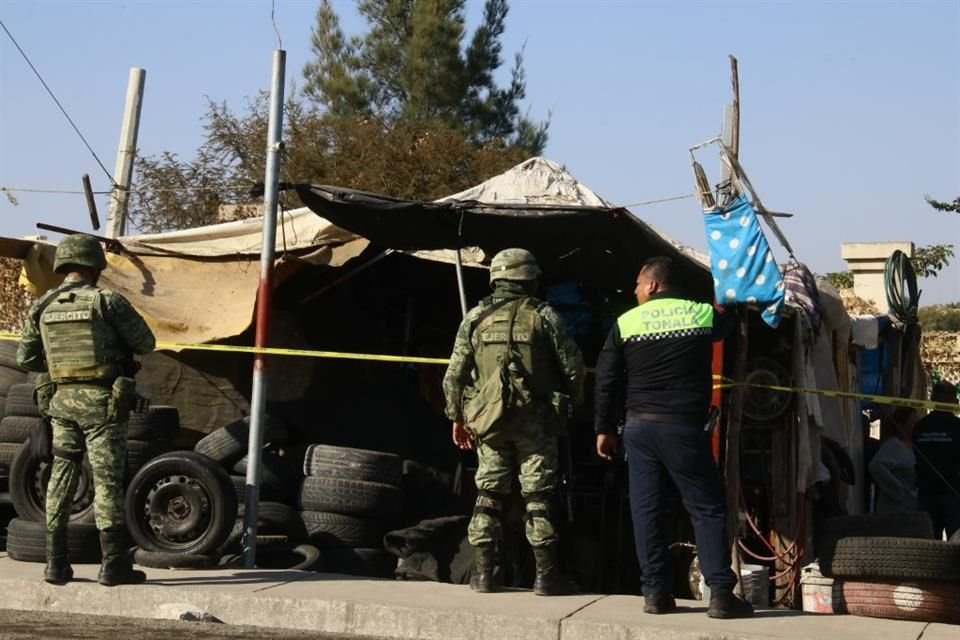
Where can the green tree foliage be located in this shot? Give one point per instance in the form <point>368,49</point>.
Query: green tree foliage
<point>929,261</point>
<point>944,206</point>
<point>414,64</point>
<point>940,317</point>
<point>407,109</point>
<point>840,279</point>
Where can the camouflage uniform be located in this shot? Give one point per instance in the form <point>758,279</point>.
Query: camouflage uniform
<point>85,337</point>
<point>528,444</point>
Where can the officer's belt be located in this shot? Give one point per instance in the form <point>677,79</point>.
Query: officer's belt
<point>672,418</point>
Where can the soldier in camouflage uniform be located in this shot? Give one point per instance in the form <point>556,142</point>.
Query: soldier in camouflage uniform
<point>84,337</point>
<point>524,440</point>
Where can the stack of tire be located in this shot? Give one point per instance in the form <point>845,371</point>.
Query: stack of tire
<point>889,566</point>
<point>281,535</point>
<point>150,433</point>
<point>20,418</point>
<point>349,498</point>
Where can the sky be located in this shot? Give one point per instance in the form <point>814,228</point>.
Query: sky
<point>850,111</point>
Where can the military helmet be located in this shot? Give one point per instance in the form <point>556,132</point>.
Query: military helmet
<point>80,250</point>
<point>514,264</point>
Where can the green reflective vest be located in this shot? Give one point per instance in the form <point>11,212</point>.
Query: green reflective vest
<point>666,318</point>
<point>79,344</point>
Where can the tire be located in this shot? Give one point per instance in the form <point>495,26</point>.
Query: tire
<point>20,401</point>
<point>28,488</point>
<point>180,502</point>
<point>162,560</point>
<point>350,497</point>
<point>333,530</point>
<point>276,473</point>
<point>157,423</point>
<point>326,461</point>
<point>140,453</point>
<point>892,525</point>
<point>278,519</point>
<point>228,444</point>
<point>880,558</point>
<point>372,563</point>
<point>9,376</point>
<point>239,483</point>
<point>17,428</point>
<point>8,451</point>
<point>919,601</point>
<point>27,542</point>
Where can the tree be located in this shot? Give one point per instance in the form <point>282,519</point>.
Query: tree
<point>404,110</point>
<point>840,279</point>
<point>944,206</point>
<point>929,261</point>
<point>412,65</point>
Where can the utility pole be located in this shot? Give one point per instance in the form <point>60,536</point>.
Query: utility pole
<point>123,172</point>
<point>258,394</point>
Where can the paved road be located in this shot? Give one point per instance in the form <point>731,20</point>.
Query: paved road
<point>33,625</point>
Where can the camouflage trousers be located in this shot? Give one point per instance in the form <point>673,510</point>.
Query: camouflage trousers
<point>93,430</point>
<point>531,453</point>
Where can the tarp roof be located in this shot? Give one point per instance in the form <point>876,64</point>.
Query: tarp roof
<point>536,205</point>
<point>199,285</point>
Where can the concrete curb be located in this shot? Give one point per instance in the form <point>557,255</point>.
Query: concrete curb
<point>380,608</point>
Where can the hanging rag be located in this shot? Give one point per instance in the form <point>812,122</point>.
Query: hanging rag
<point>741,261</point>
<point>802,292</point>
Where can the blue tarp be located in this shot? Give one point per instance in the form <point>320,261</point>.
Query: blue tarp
<point>741,261</point>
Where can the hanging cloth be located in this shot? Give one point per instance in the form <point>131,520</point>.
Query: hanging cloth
<point>741,261</point>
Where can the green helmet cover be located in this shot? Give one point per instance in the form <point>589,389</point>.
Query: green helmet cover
<point>81,250</point>
<point>514,264</point>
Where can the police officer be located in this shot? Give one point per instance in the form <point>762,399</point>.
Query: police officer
<point>657,358</point>
<point>511,360</point>
<point>85,337</point>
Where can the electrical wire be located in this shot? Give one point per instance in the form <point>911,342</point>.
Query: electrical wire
<point>62,110</point>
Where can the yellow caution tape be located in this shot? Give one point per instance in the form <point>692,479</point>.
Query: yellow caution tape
<point>726,383</point>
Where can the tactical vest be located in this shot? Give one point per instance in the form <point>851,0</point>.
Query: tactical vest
<point>79,344</point>
<point>534,353</point>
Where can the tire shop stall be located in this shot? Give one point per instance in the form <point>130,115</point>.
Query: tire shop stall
<point>359,474</point>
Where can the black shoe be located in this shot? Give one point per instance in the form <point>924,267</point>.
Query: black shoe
<point>659,604</point>
<point>727,605</point>
<point>58,569</point>
<point>483,579</point>
<point>549,580</point>
<point>117,567</point>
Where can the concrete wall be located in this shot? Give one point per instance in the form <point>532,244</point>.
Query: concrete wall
<point>866,260</point>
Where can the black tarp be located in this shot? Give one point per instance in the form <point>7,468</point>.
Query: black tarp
<point>600,246</point>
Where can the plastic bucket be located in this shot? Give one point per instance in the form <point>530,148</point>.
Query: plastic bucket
<point>817,591</point>
<point>756,585</point>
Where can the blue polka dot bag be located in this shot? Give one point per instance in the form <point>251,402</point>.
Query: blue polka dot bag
<point>741,261</point>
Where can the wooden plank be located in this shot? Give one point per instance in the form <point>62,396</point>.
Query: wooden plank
<point>731,466</point>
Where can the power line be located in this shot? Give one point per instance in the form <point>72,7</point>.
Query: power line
<point>64,111</point>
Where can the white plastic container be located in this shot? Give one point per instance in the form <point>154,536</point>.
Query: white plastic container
<point>756,585</point>
<point>818,592</point>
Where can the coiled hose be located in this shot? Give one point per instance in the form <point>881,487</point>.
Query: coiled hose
<point>900,283</point>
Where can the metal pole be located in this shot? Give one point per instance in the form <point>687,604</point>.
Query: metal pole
<point>460,287</point>
<point>123,172</point>
<point>259,392</point>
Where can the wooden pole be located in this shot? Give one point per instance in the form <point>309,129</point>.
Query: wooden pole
<point>735,128</point>
<point>91,202</point>
<point>123,172</point>
<point>731,465</point>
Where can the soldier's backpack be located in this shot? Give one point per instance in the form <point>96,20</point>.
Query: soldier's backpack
<point>506,388</point>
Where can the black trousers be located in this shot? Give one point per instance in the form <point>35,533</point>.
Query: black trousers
<point>683,451</point>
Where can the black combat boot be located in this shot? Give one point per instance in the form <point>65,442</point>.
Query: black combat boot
<point>659,603</point>
<point>117,567</point>
<point>549,580</point>
<point>726,605</point>
<point>483,579</point>
<point>58,569</point>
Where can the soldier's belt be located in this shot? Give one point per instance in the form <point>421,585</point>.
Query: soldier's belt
<point>721,382</point>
